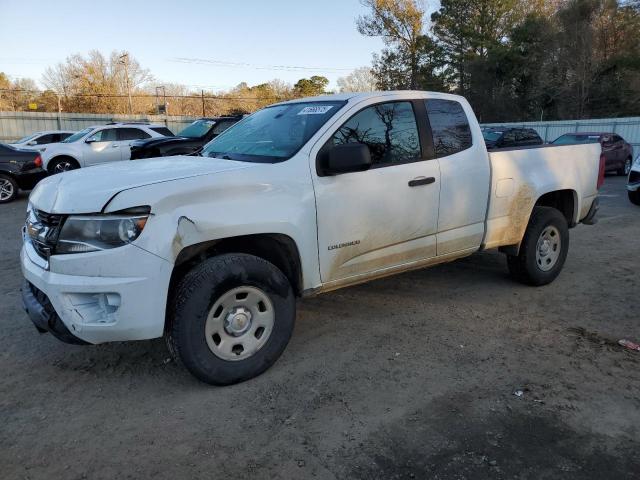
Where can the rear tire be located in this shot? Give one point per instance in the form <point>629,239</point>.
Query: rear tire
<point>543,250</point>
<point>231,318</point>
<point>8,189</point>
<point>634,197</point>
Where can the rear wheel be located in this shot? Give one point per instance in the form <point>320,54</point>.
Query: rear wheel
<point>62,164</point>
<point>634,197</point>
<point>543,250</point>
<point>8,189</point>
<point>232,317</point>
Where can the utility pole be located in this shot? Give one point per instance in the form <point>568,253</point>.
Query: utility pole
<point>124,60</point>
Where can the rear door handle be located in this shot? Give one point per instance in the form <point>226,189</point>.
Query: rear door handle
<point>416,182</point>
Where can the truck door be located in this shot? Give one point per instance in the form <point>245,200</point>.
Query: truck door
<point>385,216</point>
<point>465,175</point>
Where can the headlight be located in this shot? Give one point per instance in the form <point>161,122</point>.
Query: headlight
<point>91,233</point>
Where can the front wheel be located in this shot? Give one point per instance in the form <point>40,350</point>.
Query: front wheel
<point>231,319</point>
<point>634,197</point>
<point>8,189</point>
<point>543,250</point>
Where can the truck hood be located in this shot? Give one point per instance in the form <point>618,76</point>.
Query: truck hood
<point>88,190</point>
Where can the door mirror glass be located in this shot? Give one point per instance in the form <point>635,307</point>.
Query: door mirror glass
<point>348,157</point>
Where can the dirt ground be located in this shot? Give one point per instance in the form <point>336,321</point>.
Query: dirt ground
<point>407,377</point>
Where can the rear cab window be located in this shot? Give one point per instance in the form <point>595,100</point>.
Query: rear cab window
<point>449,127</point>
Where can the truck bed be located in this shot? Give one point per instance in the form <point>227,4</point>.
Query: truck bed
<point>520,176</point>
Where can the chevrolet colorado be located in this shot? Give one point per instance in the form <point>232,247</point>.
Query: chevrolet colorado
<point>300,198</point>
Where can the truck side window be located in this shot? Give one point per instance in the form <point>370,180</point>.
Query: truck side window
<point>449,127</point>
<point>388,129</point>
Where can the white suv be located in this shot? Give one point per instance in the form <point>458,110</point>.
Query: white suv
<point>98,144</point>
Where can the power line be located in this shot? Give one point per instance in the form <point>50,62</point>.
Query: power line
<point>138,95</point>
<point>288,68</point>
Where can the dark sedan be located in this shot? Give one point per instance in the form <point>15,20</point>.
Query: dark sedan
<point>188,141</point>
<point>510,137</point>
<point>19,170</point>
<point>618,153</point>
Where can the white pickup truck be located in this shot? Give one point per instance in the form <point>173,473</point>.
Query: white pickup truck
<point>300,198</point>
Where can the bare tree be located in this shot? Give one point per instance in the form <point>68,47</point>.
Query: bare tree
<point>360,80</point>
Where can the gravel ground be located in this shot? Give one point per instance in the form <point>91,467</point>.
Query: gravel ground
<point>412,376</point>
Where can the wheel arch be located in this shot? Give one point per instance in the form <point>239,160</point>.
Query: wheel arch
<point>276,248</point>
<point>566,201</point>
<point>563,200</point>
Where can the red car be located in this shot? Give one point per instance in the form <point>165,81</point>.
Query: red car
<point>617,152</point>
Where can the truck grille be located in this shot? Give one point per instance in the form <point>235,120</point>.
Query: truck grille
<point>43,229</point>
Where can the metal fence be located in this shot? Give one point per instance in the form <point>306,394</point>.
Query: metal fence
<point>628,128</point>
<point>14,125</point>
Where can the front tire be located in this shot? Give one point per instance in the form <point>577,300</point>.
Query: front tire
<point>231,318</point>
<point>8,189</point>
<point>634,197</point>
<point>543,250</point>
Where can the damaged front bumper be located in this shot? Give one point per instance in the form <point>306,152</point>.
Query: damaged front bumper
<point>97,297</point>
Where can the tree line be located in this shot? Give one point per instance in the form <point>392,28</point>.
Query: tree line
<point>118,84</point>
<point>514,60</point>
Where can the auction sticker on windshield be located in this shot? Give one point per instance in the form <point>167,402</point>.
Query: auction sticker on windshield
<point>315,110</point>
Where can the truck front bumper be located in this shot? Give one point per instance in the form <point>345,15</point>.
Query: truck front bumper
<point>97,297</point>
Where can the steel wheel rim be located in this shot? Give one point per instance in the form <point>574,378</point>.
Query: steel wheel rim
<point>627,166</point>
<point>6,189</point>
<point>548,248</point>
<point>62,167</point>
<point>239,323</point>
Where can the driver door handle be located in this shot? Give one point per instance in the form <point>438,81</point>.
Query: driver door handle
<point>416,182</point>
<point>115,145</point>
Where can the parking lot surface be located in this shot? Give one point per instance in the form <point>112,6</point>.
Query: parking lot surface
<point>450,372</point>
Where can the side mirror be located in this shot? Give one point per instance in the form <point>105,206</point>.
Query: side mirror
<point>90,140</point>
<point>349,157</point>
<point>32,143</point>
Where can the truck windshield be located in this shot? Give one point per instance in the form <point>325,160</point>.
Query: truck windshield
<point>197,129</point>
<point>272,134</point>
<point>77,136</point>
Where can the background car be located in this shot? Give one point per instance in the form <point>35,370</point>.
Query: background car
<point>19,170</point>
<point>618,153</point>
<point>41,139</point>
<point>98,144</point>
<point>509,137</point>
<point>189,140</point>
<point>633,183</point>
